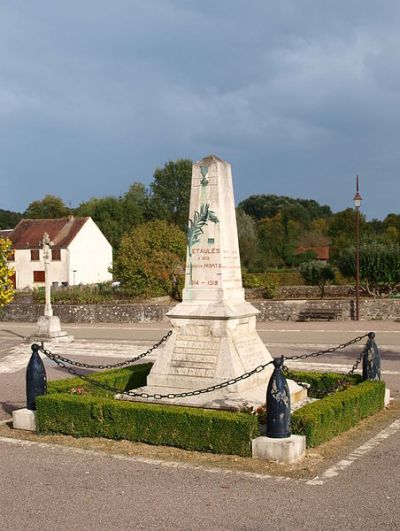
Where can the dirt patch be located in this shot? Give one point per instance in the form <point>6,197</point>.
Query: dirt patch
<point>314,463</point>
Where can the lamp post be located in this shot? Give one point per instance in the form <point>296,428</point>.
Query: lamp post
<point>357,204</point>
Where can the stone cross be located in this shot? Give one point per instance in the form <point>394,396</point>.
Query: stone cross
<point>46,244</point>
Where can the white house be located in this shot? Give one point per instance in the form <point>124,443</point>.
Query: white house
<point>80,252</point>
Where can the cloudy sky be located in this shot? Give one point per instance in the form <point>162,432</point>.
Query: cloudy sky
<point>298,95</point>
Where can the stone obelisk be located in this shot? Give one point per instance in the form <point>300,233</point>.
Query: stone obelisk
<point>214,336</point>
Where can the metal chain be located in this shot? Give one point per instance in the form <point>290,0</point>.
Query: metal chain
<point>157,396</point>
<point>53,356</point>
<point>61,362</point>
<point>327,351</point>
<point>357,362</point>
<point>343,380</point>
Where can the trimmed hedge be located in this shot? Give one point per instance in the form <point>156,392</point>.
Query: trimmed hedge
<point>78,408</point>
<point>218,432</point>
<point>323,383</point>
<point>324,419</point>
<point>125,378</point>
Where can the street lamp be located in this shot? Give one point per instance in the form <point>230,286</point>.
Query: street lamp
<point>357,204</point>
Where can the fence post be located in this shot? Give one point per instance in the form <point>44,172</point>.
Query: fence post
<point>371,359</point>
<point>36,380</point>
<point>278,403</point>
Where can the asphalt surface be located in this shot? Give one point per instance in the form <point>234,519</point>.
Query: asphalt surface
<point>57,488</point>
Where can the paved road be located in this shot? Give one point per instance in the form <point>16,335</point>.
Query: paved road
<point>52,488</point>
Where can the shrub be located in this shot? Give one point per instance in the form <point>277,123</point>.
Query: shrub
<point>188,428</point>
<point>324,383</point>
<point>76,407</point>
<point>324,419</point>
<point>125,378</point>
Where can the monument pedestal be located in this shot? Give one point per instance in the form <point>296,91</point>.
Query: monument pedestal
<point>214,346</point>
<point>49,329</point>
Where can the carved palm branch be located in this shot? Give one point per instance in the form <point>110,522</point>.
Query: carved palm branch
<point>200,219</point>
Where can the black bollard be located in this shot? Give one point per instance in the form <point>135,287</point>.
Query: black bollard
<point>36,380</point>
<point>278,404</point>
<point>371,359</point>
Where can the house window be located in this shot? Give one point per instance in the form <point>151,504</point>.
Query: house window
<point>56,254</point>
<point>35,255</point>
<point>11,256</point>
<point>39,276</point>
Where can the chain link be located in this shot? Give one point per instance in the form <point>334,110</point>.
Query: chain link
<point>327,351</point>
<point>157,396</point>
<point>63,362</point>
<point>53,356</point>
<point>357,362</point>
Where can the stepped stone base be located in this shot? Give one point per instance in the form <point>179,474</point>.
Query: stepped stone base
<point>249,399</point>
<point>49,329</point>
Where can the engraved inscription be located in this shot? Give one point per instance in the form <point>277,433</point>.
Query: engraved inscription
<point>195,356</point>
<point>249,351</point>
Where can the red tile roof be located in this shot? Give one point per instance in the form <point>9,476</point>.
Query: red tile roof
<point>29,232</point>
<point>321,252</point>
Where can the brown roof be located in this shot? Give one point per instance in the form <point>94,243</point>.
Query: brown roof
<point>321,252</point>
<point>29,232</point>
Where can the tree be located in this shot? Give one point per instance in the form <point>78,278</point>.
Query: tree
<point>107,212</point>
<point>170,192</point>
<point>48,207</point>
<point>6,284</point>
<point>379,267</point>
<point>317,274</point>
<point>247,236</point>
<point>150,259</point>
<point>134,206</point>
<point>267,206</point>
<point>9,219</point>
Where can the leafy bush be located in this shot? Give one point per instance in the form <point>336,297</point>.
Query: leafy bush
<point>122,379</point>
<point>323,383</point>
<point>150,259</point>
<point>254,280</point>
<point>284,277</point>
<point>317,274</point>
<point>324,419</point>
<point>74,407</point>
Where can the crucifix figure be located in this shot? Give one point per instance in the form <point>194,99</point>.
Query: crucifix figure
<point>46,244</point>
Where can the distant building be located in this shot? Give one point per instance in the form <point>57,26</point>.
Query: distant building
<point>80,252</point>
<point>321,252</point>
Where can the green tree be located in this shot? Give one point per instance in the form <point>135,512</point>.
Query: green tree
<point>170,192</point>
<point>379,267</point>
<point>317,274</point>
<point>134,206</point>
<point>48,207</point>
<point>150,259</point>
<point>9,219</point>
<point>268,206</point>
<point>107,212</point>
<point>6,273</point>
<point>248,241</point>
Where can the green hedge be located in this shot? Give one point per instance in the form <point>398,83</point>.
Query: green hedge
<point>323,383</point>
<point>324,419</point>
<point>75,407</point>
<point>189,428</point>
<point>125,378</point>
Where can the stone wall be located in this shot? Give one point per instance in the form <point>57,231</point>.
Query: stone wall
<point>270,310</point>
